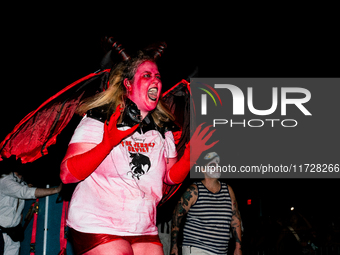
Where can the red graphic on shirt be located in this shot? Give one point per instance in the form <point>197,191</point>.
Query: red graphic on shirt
<point>137,147</point>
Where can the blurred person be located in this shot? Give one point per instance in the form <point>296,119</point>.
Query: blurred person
<point>13,192</point>
<point>297,236</point>
<point>211,209</point>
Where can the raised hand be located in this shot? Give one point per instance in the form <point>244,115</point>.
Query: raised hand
<point>198,142</point>
<point>112,136</point>
<point>193,150</point>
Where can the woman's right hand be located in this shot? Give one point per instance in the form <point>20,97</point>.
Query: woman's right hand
<point>112,136</point>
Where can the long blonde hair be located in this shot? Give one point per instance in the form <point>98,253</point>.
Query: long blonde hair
<point>116,93</point>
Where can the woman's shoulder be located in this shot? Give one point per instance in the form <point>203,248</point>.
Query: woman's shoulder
<point>89,130</point>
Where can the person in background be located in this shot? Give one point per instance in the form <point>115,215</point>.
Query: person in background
<point>211,210</point>
<point>13,192</point>
<point>297,236</point>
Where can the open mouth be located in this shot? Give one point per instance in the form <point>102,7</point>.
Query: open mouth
<point>153,94</point>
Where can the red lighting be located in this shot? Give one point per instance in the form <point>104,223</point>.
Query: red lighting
<point>249,202</point>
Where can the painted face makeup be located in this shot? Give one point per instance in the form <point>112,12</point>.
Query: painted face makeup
<point>146,87</point>
<point>212,170</point>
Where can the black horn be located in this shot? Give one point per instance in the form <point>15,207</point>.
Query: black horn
<point>109,45</point>
<point>113,44</point>
<point>121,51</point>
<point>159,51</point>
<point>156,49</point>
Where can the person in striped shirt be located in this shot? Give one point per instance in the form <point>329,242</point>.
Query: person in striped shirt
<point>211,210</point>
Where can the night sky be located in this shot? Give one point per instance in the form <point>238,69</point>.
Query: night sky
<point>43,54</point>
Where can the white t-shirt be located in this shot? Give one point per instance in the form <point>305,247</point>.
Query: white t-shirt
<point>121,195</point>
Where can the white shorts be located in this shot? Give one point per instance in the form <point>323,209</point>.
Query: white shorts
<point>187,250</point>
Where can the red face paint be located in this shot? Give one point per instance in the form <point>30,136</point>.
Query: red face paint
<point>146,87</point>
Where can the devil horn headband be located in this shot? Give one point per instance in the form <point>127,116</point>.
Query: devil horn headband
<point>154,50</point>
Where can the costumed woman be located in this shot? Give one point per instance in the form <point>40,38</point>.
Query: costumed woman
<point>121,153</point>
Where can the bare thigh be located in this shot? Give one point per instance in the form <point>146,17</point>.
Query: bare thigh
<point>147,249</point>
<point>117,247</point>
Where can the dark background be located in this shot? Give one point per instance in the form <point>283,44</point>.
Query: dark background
<point>44,51</point>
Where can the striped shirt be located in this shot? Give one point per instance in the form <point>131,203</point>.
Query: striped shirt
<point>208,220</point>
